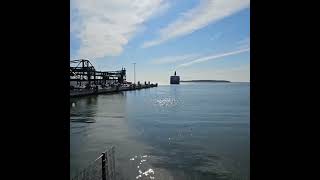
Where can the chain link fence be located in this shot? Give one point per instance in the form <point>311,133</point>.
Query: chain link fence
<point>103,168</point>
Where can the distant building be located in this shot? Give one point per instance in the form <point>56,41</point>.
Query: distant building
<point>175,79</point>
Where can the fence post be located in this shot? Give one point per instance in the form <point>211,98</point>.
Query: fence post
<point>113,163</point>
<point>104,176</point>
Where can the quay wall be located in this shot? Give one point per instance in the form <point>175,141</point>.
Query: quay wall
<point>87,92</point>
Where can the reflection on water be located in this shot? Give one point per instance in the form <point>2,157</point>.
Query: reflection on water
<point>169,102</point>
<point>142,167</point>
<point>193,131</point>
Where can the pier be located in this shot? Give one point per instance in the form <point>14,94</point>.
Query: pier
<point>87,92</point>
<point>86,80</point>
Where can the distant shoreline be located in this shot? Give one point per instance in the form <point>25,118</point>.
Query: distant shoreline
<point>206,81</point>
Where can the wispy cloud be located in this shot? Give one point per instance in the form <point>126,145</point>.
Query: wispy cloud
<point>174,59</point>
<point>244,41</point>
<point>212,57</point>
<point>216,36</point>
<point>209,11</point>
<point>104,27</point>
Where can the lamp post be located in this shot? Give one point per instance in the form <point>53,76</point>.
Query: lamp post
<point>134,72</point>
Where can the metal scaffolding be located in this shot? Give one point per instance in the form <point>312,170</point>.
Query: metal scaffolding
<point>82,72</point>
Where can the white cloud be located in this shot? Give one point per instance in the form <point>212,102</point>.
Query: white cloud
<point>209,11</point>
<point>104,27</point>
<point>212,57</point>
<point>173,59</point>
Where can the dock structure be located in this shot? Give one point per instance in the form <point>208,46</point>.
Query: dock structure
<point>86,80</point>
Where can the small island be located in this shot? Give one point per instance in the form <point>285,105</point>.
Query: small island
<point>215,81</point>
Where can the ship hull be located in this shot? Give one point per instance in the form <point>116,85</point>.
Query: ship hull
<point>174,79</point>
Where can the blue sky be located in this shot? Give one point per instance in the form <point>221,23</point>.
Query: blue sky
<point>200,39</point>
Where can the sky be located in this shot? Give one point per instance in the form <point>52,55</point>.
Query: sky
<point>199,39</point>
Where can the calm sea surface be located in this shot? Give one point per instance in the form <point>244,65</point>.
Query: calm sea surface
<point>186,131</point>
